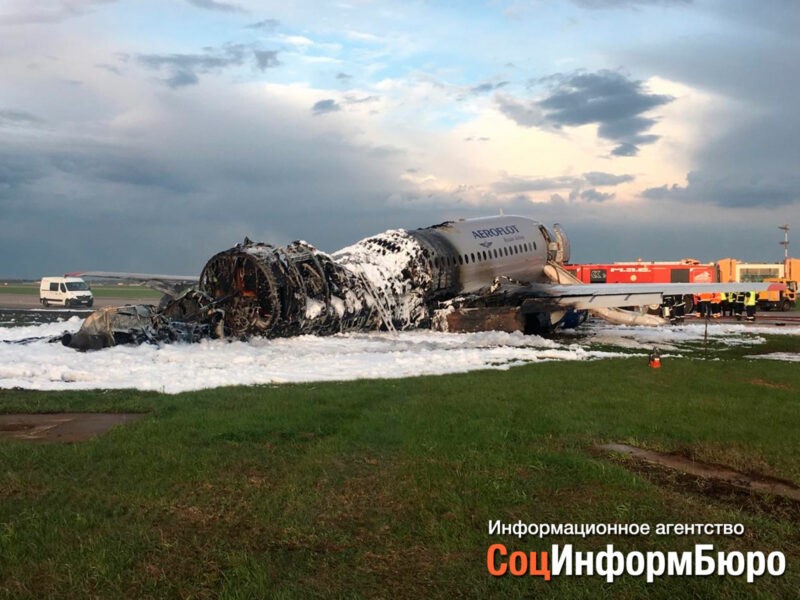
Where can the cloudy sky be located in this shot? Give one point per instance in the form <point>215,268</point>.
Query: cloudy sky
<point>146,136</point>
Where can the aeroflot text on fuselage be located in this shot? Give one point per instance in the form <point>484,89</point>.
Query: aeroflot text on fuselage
<point>494,232</point>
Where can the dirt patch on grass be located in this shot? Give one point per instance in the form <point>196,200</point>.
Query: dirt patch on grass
<point>61,427</point>
<point>770,384</point>
<point>745,490</point>
<point>743,481</point>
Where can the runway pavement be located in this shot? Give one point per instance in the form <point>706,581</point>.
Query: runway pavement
<point>28,301</point>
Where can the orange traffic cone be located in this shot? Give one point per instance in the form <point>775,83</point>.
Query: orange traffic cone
<point>655,359</point>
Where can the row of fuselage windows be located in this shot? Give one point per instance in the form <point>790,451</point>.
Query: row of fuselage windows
<point>484,255</point>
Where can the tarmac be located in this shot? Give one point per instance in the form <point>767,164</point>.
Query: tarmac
<point>29,302</point>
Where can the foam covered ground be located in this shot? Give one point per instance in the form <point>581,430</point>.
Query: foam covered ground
<point>28,359</point>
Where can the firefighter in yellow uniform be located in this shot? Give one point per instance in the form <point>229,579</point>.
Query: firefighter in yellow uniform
<point>738,305</point>
<point>726,304</point>
<point>750,305</point>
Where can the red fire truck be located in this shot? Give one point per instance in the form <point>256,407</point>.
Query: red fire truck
<point>687,270</point>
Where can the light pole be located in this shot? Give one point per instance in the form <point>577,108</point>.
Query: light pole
<point>785,242</point>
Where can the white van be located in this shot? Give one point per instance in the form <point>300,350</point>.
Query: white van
<point>66,291</point>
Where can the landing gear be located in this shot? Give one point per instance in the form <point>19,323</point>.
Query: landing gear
<point>544,323</point>
<point>537,324</point>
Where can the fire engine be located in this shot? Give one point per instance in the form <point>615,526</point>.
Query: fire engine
<point>782,297</point>
<point>687,270</point>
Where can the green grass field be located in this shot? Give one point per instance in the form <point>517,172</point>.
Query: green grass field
<point>99,291</point>
<point>379,489</point>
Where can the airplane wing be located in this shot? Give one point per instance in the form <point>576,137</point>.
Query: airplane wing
<point>608,295</point>
<point>171,285</point>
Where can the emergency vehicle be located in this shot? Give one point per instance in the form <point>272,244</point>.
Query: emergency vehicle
<point>688,270</point>
<point>66,291</point>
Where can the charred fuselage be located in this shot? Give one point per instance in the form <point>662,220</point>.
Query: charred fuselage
<point>393,281</point>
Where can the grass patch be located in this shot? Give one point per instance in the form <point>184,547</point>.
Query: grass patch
<point>385,488</point>
<point>772,343</point>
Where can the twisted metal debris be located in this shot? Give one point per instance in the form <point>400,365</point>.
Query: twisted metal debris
<point>256,289</point>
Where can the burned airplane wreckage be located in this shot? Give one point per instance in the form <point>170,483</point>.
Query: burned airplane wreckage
<point>499,272</point>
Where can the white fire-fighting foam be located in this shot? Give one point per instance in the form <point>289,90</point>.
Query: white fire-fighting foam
<point>29,360</point>
<point>391,266</point>
<point>781,356</point>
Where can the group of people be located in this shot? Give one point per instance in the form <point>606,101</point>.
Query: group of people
<point>727,304</point>
<point>741,305</point>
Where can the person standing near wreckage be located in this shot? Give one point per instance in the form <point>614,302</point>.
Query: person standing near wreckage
<point>705,305</point>
<point>715,303</point>
<point>679,310</point>
<point>725,304</point>
<point>750,305</point>
<point>738,305</point>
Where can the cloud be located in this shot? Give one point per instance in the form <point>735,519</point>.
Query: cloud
<point>266,25</point>
<point>598,178</point>
<point>92,162</point>
<point>18,118</point>
<point>485,88</point>
<point>608,99</point>
<point>745,67</point>
<point>110,68</point>
<point>522,113</point>
<point>605,4</point>
<point>519,185</point>
<point>48,11</point>
<point>322,107</point>
<point>266,59</point>
<point>361,100</point>
<point>732,191</point>
<point>163,180</point>
<point>625,149</point>
<point>522,185</point>
<point>747,159</point>
<point>210,59</point>
<point>158,194</point>
<point>664,192</point>
<point>214,5</point>
<point>184,68</point>
<point>181,77</point>
<point>592,195</point>
<point>299,41</point>
<point>481,89</point>
<point>18,169</point>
